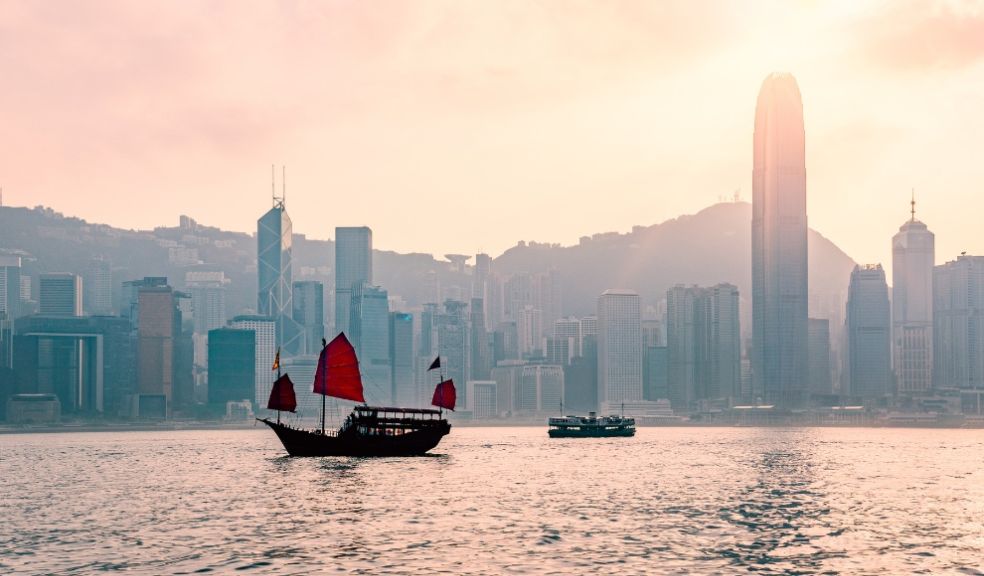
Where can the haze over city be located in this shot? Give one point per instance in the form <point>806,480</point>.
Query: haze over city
<point>446,287</point>
<point>463,128</point>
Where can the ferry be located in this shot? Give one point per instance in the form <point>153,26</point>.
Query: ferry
<point>591,426</point>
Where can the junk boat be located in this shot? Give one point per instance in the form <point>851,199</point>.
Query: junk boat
<point>591,426</point>
<point>368,430</point>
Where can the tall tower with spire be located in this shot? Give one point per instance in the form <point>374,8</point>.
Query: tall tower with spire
<point>779,245</point>
<point>913,258</point>
<point>274,232</point>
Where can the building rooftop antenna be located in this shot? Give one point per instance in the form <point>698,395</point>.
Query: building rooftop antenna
<point>913,203</point>
<point>277,202</point>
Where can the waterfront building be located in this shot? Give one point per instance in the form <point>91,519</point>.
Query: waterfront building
<point>619,349</point>
<point>86,362</point>
<point>958,316</point>
<point>703,356</point>
<point>581,379</point>
<point>779,245</point>
<point>913,258</point>
<point>541,389</point>
<point>160,323</point>
<point>508,376</point>
<point>353,267</point>
<point>232,366</point>
<point>265,329</point>
<point>869,339</point>
<point>484,402</point>
<point>821,378</point>
<point>403,389</point>
<point>369,334</point>
<point>60,295</point>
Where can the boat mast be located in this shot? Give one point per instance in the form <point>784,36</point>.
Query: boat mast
<point>324,344</point>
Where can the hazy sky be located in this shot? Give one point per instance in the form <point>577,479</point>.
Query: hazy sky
<point>461,126</point>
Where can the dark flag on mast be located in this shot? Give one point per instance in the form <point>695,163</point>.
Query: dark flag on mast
<point>435,364</point>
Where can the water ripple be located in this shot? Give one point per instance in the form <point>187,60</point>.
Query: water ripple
<point>498,500</point>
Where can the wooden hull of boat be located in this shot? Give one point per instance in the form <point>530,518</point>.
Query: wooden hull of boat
<point>308,443</point>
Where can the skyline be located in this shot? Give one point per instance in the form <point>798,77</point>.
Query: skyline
<point>571,104</point>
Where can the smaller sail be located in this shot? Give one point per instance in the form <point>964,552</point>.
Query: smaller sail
<point>435,364</point>
<point>445,395</point>
<point>282,396</point>
<point>338,371</point>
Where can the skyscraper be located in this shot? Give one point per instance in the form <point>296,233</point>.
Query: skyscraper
<point>452,343</point>
<point>266,349</point>
<point>274,274</point>
<point>309,314</point>
<point>404,390</point>
<point>821,380</point>
<point>207,290</point>
<point>97,284</point>
<point>481,353</point>
<point>232,366</point>
<point>779,244</point>
<point>869,334</point>
<point>10,296</point>
<point>913,257</point>
<point>61,295</point>
<point>369,334</point>
<point>619,349</point>
<point>958,316</point>
<point>353,267</point>
<point>159,324</point>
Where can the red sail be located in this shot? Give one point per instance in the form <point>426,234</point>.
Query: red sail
<point>282,396</point>
<point>445,395</point>
<point>338,371</point>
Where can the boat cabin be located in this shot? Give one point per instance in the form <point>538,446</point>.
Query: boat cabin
<point>388,421</point>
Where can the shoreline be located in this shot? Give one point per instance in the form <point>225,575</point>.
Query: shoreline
<point>205,426</point>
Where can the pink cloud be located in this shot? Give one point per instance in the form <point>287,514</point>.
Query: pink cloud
<point>919,36</point>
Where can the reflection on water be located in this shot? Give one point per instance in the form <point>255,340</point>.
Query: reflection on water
<point>782,514</point>
<point>501,500</point>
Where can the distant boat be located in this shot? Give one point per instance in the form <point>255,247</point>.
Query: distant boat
<point>591,426</point>
<point>368,430</point>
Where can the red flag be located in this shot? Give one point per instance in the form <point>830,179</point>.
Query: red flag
<point>445,395</point>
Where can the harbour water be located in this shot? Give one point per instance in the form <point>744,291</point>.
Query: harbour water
<point>498,501</point>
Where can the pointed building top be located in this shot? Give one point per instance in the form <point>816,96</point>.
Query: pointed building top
<point>913,204</point>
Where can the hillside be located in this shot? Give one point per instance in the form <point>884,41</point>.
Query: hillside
<point>705,248</point>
